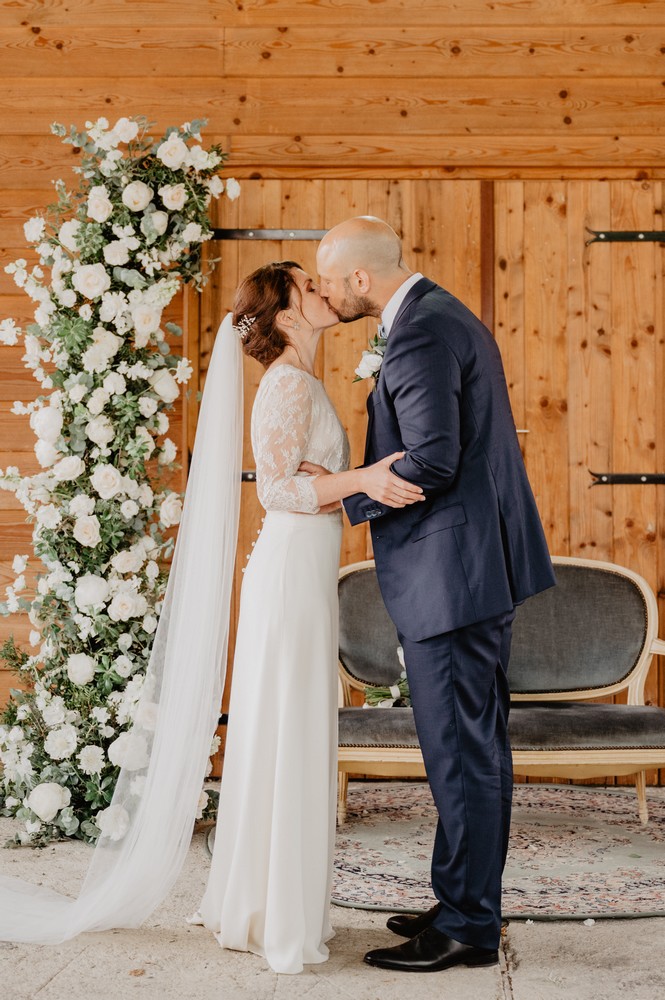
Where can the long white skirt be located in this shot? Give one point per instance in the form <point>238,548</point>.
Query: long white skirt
<point>270,879</point>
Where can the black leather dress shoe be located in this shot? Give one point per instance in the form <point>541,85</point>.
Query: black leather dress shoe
<point>407,925</point>
<point>430,951</point>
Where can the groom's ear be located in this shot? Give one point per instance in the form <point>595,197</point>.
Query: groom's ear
<point>360,281</point>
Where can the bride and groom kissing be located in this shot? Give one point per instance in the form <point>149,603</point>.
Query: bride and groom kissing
<point>458,545</point>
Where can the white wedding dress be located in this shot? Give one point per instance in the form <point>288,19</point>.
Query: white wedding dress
<point>269,886</point>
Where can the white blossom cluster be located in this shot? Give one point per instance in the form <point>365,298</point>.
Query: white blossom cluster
<point>111,259</point>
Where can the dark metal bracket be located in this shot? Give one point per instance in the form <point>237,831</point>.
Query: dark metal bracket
<point>248,476</point>
<point>268,234</point>
<point>627,478</point>
<point>625,236</point>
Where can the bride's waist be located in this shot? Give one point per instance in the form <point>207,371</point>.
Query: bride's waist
<point>301,520</point>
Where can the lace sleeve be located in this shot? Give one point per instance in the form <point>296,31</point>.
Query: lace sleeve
<point>281,427</point>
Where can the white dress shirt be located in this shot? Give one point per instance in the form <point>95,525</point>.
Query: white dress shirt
<point>392,306</point>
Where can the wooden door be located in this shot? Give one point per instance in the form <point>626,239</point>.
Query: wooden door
<point>582,336</point>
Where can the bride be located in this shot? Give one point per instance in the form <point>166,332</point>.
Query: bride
<point>269,885</point>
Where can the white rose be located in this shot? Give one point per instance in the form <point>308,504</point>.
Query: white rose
<point>170,510</point>
<point>137,196</point>
<point>129,509</point>
<point>69,468</point>
<point>147,406</point>
<point>164,384</point>
<point>123,666</point>
<point>98,400</point>
<point>67,234</point>
<point>130,751</point>
<point>369,364</point>
<point>173,152</point>
<point>125,130</point>
<point>106,480</point>
<point>100,430</point>
<point>128,561</point>
<point>115,384</point>
<point>149,624</point>
<point>47,423</point>
<point>61,743</point>
<point>167,453</point>
<point>215,186</point>
<point>91,280</point>
<point>146,319</point>
<point>91,760</point>
<point>113,822</point>
<point>116,253</point>
<point>173,196</point>
<point>146,495</point>
<point>100,206</point>
<point>47,799</point>
<point>81,504</point>
<point>46,453</point>
<point>123,606</point>
<point>49,516</point>
<point>160,221</point>
<point>192,233</point>
<point>232,188</point>
<point>80,668</point>
<point>91,590</point>
<point>77,392</point>
<point>86,530</point>
<point>152,570</point>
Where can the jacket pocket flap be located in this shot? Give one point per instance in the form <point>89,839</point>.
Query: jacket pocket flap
<point>437,520</point>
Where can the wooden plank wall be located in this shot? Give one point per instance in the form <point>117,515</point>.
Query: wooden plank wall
<point>404,108</point>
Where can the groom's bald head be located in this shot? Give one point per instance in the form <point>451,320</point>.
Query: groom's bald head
<point>364,242</point>
<point>360,266</point>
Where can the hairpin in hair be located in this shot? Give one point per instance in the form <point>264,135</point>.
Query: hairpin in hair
<point>244,326</point>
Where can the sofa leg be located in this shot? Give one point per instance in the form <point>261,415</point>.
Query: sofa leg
<point>641,789</point>
<point>342,791</point>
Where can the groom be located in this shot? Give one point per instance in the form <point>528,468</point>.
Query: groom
<point>451,571</point>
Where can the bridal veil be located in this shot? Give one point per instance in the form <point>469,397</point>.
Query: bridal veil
<point>157,793</point>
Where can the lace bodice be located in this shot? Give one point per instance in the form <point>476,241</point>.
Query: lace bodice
<point>293,420</point>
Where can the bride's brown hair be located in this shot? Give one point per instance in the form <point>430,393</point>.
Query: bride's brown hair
<point>259,299</point>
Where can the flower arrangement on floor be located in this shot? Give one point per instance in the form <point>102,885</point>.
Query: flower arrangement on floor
<point>118,250</point>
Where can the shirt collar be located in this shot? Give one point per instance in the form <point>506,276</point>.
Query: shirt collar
<point>392,306</point>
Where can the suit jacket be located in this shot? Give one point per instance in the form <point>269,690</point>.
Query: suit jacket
<point>475,547</point>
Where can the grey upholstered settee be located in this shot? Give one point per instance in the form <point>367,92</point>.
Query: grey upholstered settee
<point>593,635</point>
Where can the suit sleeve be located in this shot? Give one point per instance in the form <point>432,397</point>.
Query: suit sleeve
<point>424,379</point>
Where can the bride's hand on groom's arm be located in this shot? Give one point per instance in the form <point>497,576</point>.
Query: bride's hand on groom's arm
<point>376,481</point>
<point>379,483</point>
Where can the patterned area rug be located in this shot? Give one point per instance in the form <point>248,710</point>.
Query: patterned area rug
<point>576,852</point>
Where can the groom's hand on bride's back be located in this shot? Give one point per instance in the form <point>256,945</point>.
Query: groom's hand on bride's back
<point>379,483</point>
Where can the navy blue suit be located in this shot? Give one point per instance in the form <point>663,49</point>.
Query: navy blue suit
<point>451,569</point>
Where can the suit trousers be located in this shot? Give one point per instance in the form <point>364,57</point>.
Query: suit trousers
<point>461,700</point>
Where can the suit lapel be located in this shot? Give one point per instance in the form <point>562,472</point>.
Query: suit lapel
<point>419,289</point>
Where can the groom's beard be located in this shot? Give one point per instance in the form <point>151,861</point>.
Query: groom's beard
<point>353,307</point>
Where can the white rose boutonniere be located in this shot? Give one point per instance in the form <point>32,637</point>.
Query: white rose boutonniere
<point>371,360</point>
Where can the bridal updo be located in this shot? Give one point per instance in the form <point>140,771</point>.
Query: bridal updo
<point>259,300</point>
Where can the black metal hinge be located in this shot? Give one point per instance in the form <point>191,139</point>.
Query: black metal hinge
<point>625,236</point>
<point>268,234</point>
<point>627,478</point>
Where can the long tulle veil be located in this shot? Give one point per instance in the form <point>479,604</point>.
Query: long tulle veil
<point>156,797</point>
